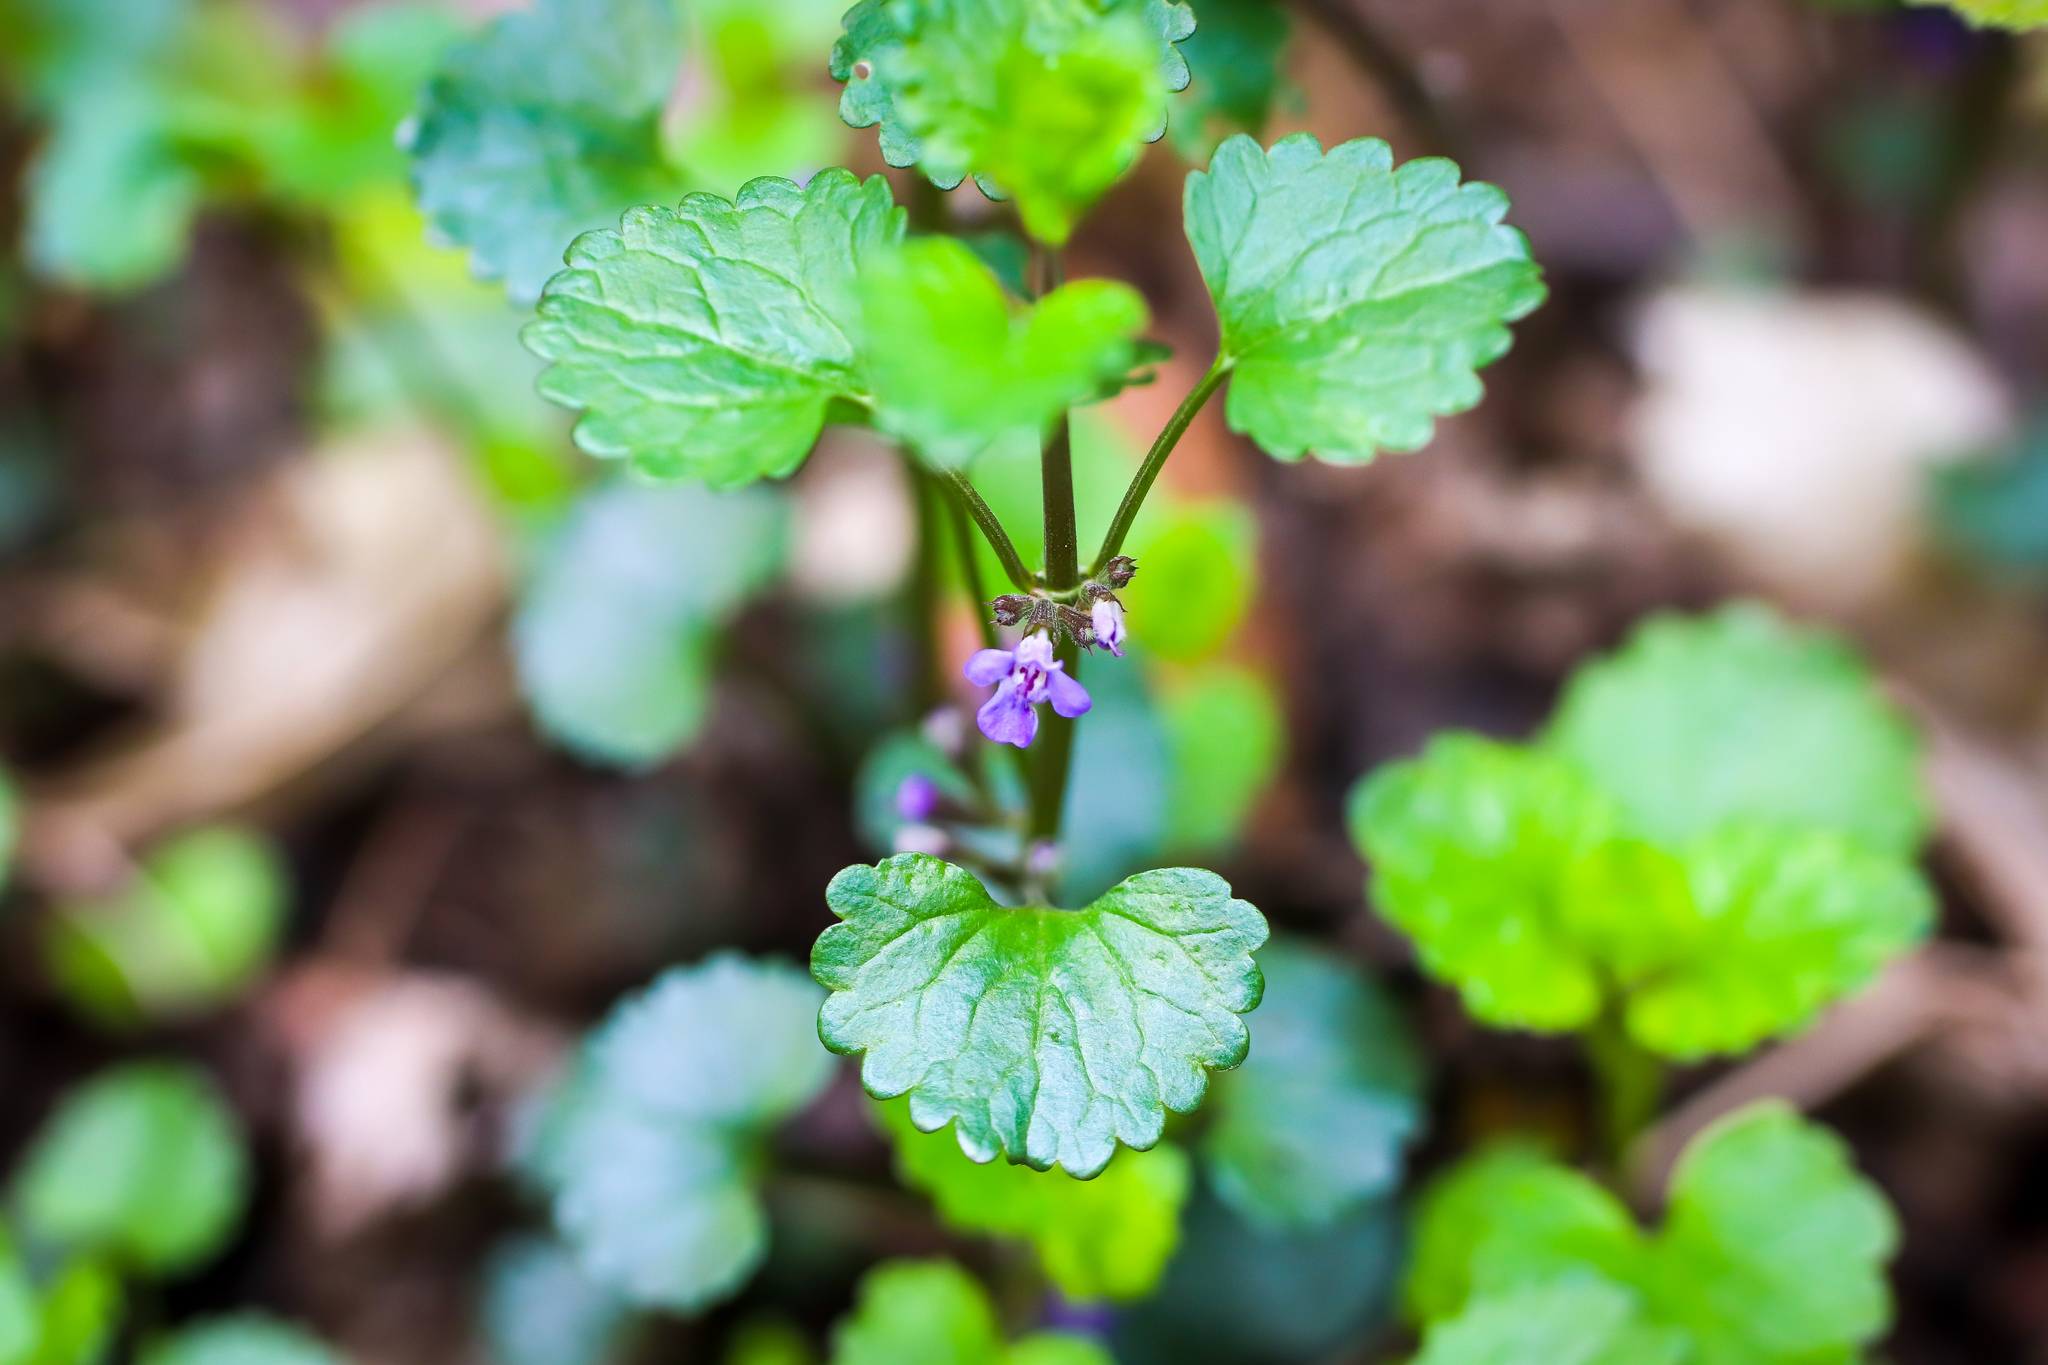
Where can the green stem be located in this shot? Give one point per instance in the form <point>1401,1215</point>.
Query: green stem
<point>1052,755</point>
<point>926,689</point>
<point>970,573</point>
<point>1155,460</point>
<point>1056,478</point>
<point>991,529</point>
<point>1631,1082</point>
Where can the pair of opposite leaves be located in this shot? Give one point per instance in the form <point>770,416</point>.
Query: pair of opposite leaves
<point>1771,1252</point>
<point>1718,827</point>
<point>713,341</point>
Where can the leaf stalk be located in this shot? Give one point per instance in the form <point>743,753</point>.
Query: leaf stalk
<point>1155,460</point>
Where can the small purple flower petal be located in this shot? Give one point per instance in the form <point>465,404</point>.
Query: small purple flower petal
<point>917,796</point>
<point>989,666</point>
<point>1007,718</point>
<point>1035,650</point>
<point>1069,698</point>
<point>1107,616</point>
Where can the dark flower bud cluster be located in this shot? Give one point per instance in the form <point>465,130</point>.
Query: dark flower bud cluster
<point>1099,620</point>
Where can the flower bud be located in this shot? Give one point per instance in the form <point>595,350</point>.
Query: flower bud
<point>1011,608</point>
<point>1107,619</point>
<point>1119,571</point>
<point>917,796</point>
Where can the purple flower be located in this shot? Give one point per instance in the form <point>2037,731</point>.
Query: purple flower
<point>1107,616</point>
<point>917,796</point>
<point>1023,677</point>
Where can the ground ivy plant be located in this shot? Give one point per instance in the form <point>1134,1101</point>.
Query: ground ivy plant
<point>714,340</point>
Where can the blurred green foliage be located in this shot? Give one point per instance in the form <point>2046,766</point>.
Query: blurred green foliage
<point>618,629</point>
<point>240,1339</point>
<point>651,1147</point>
<point>933,1313</point>
<point>1551,883</point>
<point>143,1165</point>
<point>1313,1126</point>
<point>1771,1251</point>
<point>197,923</point>
<point>1104,1238</point>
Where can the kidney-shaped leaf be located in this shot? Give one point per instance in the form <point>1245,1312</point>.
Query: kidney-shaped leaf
<point>1356,300</point>
<point>708,341</point>
<point>545,125</point>
<point>1048,1035</point>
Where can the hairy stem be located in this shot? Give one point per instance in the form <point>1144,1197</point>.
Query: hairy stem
<point>1155,460</point>
<point>1631,1082</point>
<point>991,529</point>
<point>970,572</point>
<point>1053,750</point>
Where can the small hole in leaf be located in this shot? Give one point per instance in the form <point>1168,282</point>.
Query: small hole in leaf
<point>863,70</point>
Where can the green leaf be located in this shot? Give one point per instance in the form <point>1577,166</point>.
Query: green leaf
<point>2018,15</point>
<point>198,923</point>
<point>1313,1125</point>
<point>652,1149</point>
<point>1048,101</point>
<point>1507,1218</point>
<point>545,125</point>
<point>1472,848</point>
<point>615,633</point>
<point>768,1340</point>
<point>933,1313</point>
<point>1237,1293</point>
<point>539,1308</point>
<point>81,1313</point>
<point>1047,1034</point>
<point>1227,736</point>
<point>1773,1247</point>
<point>708,341</point>
<point>1585,1320</point>
<point>241,1339</point>
<point>1786,921</point>
<point>142,1163</point>
<point>21,1315</point>
<point>1356,300</point>
<point>1509,870</point>
<point>1763,721</point>
<point>1234,56</point>
<point>1120,785</point>
<point>1772,1252</point>
<point>1106,1238</point>
<point>955,365</point>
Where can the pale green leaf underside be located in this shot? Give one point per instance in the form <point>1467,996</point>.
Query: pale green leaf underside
<point>935,1313</point>
<point>1046,1035</point>
<point>615,630</point>
<point>545,125</point>
<point>1763,720</point>
<point>1313,1124</point>
<point>1772,1251</point>
<point>652,1149</point>
<point>1356,300</point>
<point>708,341</point>
<point>1105,1238</point>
